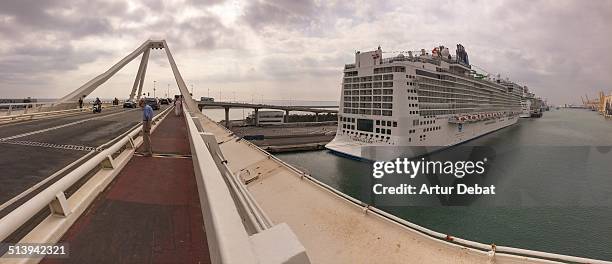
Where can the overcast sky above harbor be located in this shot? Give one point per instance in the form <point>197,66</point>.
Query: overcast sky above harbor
<point>297,49</point>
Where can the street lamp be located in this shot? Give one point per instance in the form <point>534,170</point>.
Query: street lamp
<point>154,83</point>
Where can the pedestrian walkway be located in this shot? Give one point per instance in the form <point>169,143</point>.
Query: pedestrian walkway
<point>151,212</point>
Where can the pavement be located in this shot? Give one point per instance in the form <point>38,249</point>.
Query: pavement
<point>31,151</point>
<point>150,213</point>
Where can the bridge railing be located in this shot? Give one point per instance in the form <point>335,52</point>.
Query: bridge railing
<point>237,230</point>
<point>19,111</point>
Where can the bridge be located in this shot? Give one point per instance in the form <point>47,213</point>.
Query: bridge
<point>75,178</point>
<point>227,105</point>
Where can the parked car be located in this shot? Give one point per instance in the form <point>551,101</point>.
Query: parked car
<point>164,101</point>
<point>207,99</point>
<point>129,104</point>
<point>153,103</point>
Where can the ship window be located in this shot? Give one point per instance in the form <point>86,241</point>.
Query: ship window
<point>394,124</point>
<point>366,125</point>
<point>378,122</point>
<point>343,125</point>
<point>428,74</point>
<point>350,74</point>
<point>377,130</point>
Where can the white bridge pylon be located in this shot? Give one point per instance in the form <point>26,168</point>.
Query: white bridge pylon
<point>144,49</point>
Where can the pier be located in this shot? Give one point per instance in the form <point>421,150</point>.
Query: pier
<point>206,195</point>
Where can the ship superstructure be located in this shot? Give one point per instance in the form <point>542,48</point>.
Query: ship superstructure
<point>526,103</point>
<point>419,99</point>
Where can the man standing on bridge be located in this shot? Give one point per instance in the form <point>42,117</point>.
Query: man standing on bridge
<point>147,117</point>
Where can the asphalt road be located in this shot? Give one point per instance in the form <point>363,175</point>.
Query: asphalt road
<point>31,151</point>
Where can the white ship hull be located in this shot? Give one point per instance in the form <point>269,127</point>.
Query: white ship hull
<point>448,136</point>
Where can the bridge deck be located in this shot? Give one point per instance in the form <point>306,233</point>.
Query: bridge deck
<point>149,214</point>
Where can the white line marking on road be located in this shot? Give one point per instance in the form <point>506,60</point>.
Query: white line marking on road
<point>61,126</point>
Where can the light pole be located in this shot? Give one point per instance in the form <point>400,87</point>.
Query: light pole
<point>192,90</point>
<point>154,83</point>
<point>168,92</point>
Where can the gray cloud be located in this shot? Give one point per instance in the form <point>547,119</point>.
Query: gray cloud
<point>558,48</point>
<point>260,14</point>
<point>72,19</point>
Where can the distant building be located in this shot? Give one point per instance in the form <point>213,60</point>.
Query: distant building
<point>269,117</point>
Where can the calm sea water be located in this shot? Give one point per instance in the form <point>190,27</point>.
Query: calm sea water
<point>554,181</point>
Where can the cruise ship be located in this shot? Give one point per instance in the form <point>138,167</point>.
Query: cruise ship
<point>526,101</point>
<point>413,103</point>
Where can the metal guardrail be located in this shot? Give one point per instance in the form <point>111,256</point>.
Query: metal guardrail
<point>237,230</point>
<point>36,111</point>
<point>53,196</point>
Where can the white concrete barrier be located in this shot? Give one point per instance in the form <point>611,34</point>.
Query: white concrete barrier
<point>237,230</point>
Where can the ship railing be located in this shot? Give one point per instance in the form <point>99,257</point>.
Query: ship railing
<point>237,229</point>
<point>83,179</point>
<point>413,59</point>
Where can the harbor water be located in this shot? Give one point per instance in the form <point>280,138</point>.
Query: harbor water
<point>554,183</point>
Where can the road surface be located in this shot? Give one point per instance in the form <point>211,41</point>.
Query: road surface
<point>31,151</point>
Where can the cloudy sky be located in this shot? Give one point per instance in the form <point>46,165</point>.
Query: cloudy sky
<point>296,49</point>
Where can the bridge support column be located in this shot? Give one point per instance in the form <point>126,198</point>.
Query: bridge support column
<point>227,120</point>
<point>256,116</point>
<point>316,117</point>
<point>142,75</point>
<point>286,116</point>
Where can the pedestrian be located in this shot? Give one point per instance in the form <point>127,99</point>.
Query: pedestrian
<point>80,102</point>
<point>147,117</point>
<point>178,103</point>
